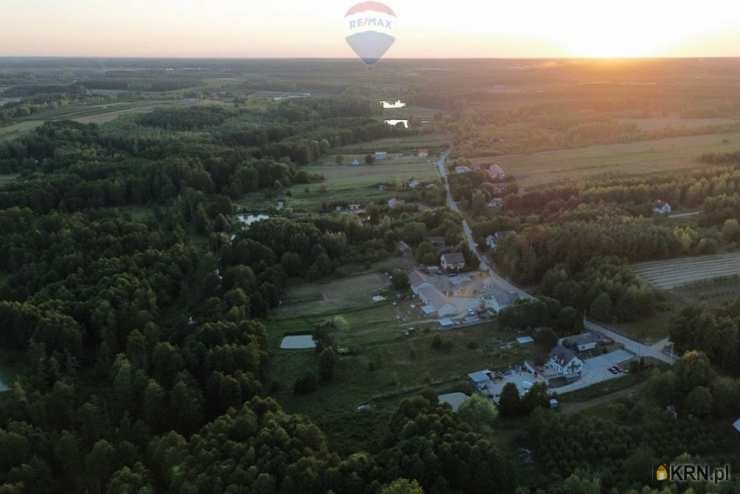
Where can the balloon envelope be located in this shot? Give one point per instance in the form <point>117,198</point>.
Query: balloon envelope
<point>370,30</point>
<point>370,46</point>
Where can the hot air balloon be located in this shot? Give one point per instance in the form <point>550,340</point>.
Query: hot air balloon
<point>370,30</point>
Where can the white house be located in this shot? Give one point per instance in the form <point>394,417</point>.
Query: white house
<point>381,156</point>
<point>564,363</point>
<point>662,207</point>
<point>422,153</point>
<point>355,162</point>
<point>413,183</point>
<point>462,169</point>
<point>453,261</point>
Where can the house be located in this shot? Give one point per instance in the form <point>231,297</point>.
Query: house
<point>496,172</point>
<point>582,342</point>
<point>395,203</point>
<point>453,261</point>
<point>355,162</point>
<point>564,363</point>
<point>422,153</point>
<point>492,241</point>
<point>736,425</point>
<point>381,155</point>
<point>462,169</point>
<point>355,208</point>
<point>413,183</point>
<point>662,207</point>
<point>525,340</point>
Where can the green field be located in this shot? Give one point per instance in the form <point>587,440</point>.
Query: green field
<point>635,158</point>
<point>6,179</point>
<point>318,298</point>
<point>12,131</point>
<point>350,184</point>
<point>397,144</point>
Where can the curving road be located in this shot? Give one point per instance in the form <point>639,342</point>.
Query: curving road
<point>635,347</point>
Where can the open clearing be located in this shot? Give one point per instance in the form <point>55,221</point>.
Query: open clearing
<point>659,123</point>
<point>673,273</point>
<point>352,184</point>
<point>623,159</point>
<point>12,131</point>
<point>318,298</point>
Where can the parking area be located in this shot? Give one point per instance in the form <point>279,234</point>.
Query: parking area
<point>596,370</point>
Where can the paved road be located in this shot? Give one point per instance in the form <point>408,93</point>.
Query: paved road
<point>499,282</point>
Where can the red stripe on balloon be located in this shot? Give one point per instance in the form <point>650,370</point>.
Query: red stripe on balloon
<point>374,6</point>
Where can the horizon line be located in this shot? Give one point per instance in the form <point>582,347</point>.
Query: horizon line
<point>286,58</point>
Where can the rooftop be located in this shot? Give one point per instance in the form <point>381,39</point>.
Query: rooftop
<point>453,258</point>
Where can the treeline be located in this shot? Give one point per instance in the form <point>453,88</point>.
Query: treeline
<point>605,288</point>
<point>529,254</point>
<point>712,330</point>
<point>637,195</point>
<point>618,451</point>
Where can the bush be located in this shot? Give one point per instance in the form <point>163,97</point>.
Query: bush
<point>306,384</point>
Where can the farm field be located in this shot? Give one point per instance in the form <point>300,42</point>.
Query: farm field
<point>397,144</point>
<point>12,131</point>
<point>345,293</point>
<point>715,291</point>
<point>658,123</point>
<point>673,273</point>
<point>347,183</point>
<point>6,179</point>
<point>635,158</point>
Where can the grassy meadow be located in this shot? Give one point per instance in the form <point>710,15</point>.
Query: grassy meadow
<point>662,155</point>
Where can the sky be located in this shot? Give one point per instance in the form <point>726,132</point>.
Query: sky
<point>423,29</point>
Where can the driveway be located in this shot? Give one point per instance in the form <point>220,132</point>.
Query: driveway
<point>596,370</point>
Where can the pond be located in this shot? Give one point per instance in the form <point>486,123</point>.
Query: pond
<point>387,105</point>
<point>396,123</point>
<point>298,342</point>
<point>250,219</point>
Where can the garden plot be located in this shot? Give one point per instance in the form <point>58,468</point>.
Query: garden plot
<point>674,273</point>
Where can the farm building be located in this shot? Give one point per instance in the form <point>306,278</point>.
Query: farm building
<point>453,261</point>
<point>422,153</point>
<point>381,156</point>
<point>481,379</point>
<point>582,342</point>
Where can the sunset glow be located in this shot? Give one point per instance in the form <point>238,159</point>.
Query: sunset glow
<point>296,28</point>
